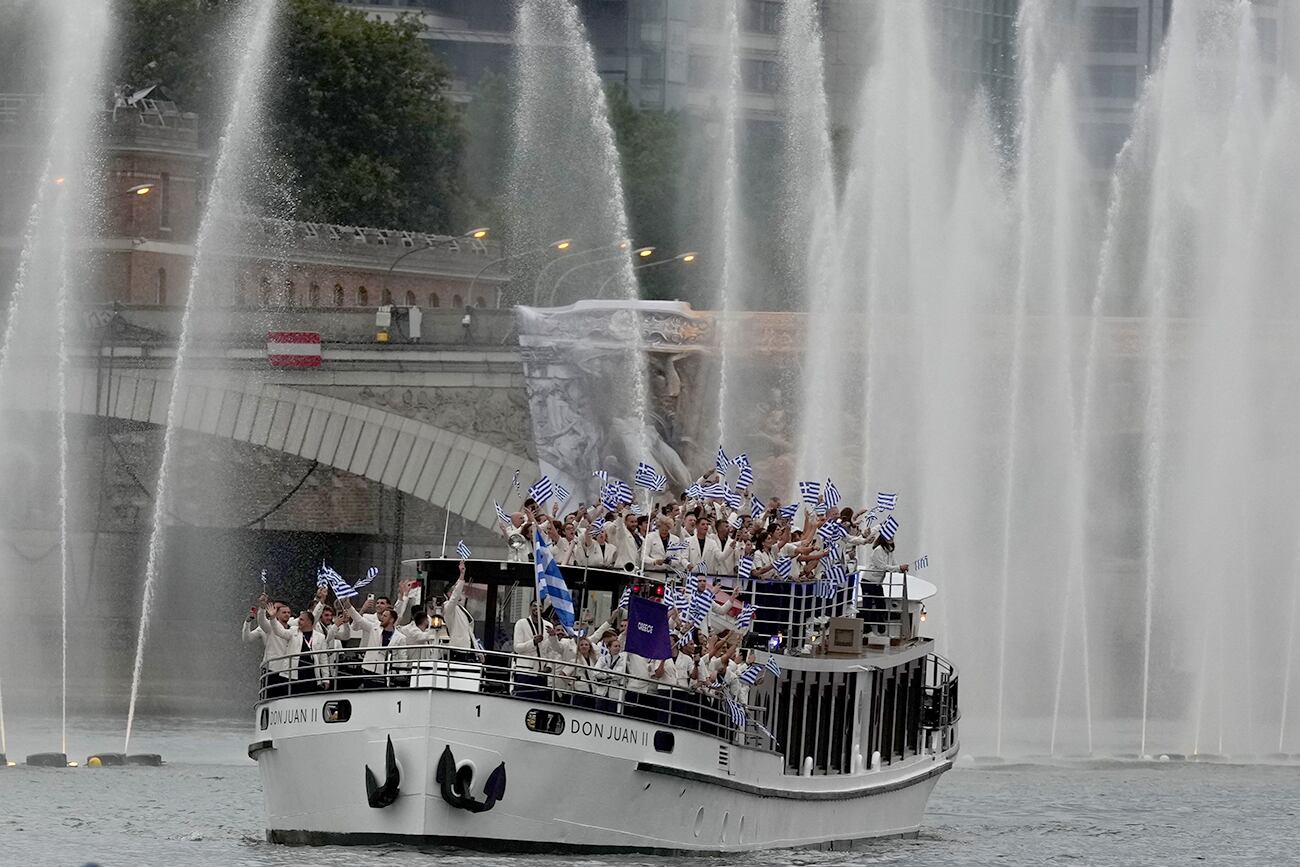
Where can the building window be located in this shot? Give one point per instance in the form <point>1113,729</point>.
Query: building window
<point>456,301</point>
<point>702,70</point>
<point>434,300</point>
<point>410,298</point>
<point>165,201</point>
<point>1112,29</point>
<point>287,298</point>
<point>385,297</point>
<point>1106,81</point>
<point>338,295</point>
<point>761,16</point>
<point>162,286</point>
<point>760,76</point>
<point>313,295</point>
<point>363,297</point>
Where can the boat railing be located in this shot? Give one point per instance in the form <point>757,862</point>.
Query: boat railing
<point>525,677</point>
<point>940,710</point>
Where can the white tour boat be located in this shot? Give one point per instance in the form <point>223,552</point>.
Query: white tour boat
<point>844,745</point>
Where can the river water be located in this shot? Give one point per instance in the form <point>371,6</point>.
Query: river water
<point>204,808</point>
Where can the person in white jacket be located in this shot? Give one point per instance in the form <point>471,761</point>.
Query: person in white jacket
<point>250,632</point>
<point>627,540</point>
<point>597,551</point>
<point>275,645</point>
<point>584,673</point>
<point>720,556</point>
<point>559,651</point>
<point>613,671</point>
<point>873,577</point>
<point>656,552</point>
<point>527,672</point>
<point>382,657</point>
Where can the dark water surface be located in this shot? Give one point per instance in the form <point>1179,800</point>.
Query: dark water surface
<point>204,808</point>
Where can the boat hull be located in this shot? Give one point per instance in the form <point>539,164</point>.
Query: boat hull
<point>574,780</point>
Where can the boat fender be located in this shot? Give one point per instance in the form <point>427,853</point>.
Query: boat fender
<point>457,792</point>
<point>381,796</point>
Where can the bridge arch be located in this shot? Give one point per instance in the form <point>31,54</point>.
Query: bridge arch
<point>449,470</point>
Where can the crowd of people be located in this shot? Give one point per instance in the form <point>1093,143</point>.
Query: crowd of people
<point>706,552</point>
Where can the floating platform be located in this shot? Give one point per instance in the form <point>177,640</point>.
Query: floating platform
<point>47,760</point>
<point>149,760</point>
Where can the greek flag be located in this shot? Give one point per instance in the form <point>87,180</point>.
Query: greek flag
<point>627,595</point>
<point>735,521</point>
<point>889,528</point>
<point>831,532</point>
<point>746,477</point>
<point>832,494</point>
<point>721,463</point>
<point>783,566</point>
<point>745,619</point>
<point>502,515</point>
<point>741,460</point>
<point>562,493</point>
<point>263,577</point>
<point>600,474</point>
<point>695,492</point>
<point>542,490</point>
<point>922,563</point>
<point>751,674</point>
<point>886,502</point>
<point>684,639</point>
<point>462,550</point>
<point>772,666</point>
<point>731,498</point>
<point>715,491</point>
<point>811,492</point>
<point>608,498</point>
<point>701,602</point>
<point>514,481</point>
<point>755,507</point>
<point>551,586</point>
<point>322,575</point>
<point>649,478</point>
<point>371,574</point>
<point>638,509</point>
<point>336,583</point>
<point>744,566</point>
<point>834,573</point>
<point>737,713</point>
<point>825,587</point>
<point>621,491</point>
<point>596,526</point>
<point>787,512</point>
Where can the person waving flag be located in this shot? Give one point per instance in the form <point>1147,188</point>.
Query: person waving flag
<point>551,586</point>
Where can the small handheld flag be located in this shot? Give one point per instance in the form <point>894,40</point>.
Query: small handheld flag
<point>263,577</point>
<point>787,512</point>
<point>741,460</point>
<point>502,516</point>
<point>746,477</point>
<point>886,501</point>
<point>744,566</point>
<point>773,667</point>
<point>462,550</point>
<point>695,491</point>
<point>542,490</point>
<point>831,494</point>
<point>721,463</point>
<point>751,674</point>
<point>371,574</point>
<point>889,528</point>
<point>562,493</point>
<point>783,566</point>
<point>600,474</point>
<point>701,602</point>
<point>737,712</point>
<point>755,508</point>
<point>745,619</point>
<point>811,492</point>
<point>649,478</point>
<point>514,481</point>
<point>735,521</point>
<point>922,563</point>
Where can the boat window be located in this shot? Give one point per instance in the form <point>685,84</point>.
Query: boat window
<point>665,741</point>
<point>337,711</point>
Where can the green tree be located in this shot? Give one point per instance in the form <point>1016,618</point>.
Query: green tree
<point>357,108</point>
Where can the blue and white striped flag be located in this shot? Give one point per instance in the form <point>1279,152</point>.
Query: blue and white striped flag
<point>825,587</point>
<point>756,509</point>
<point>737,713</point>
<point>746,477</point>
<point>701,603</point>
<point>695,491</point>
<point>542,490</point>
<point>600,474</point>
<point>886,501</point>
<point>787,512</point>
<point>744,566</point>
<point>811,492</point>
<point>922,563</point>
<point>741,460</point>
<point>745,619</point>
<point>784,567</point>
<point>462,550</point>
<point>831,531</point>
<point>731,498</point>
<point>889,528</point>
<point>562,493</point>
<point>596,526</point>
<point>831,494</point>
<point>625,598</point>
<point>772,666</point>
<point>751,674</point>
<point>735,521</point>
<point>371,574</point>
<point>684,639</point>
<point>638,509</point>
<point>721,463</point>
<point>502,515</point>
<point>514,481</point>
<point>715,491</point>
<point>341,588</point>
<point>551,586</point>
<point>619,490</point>
<point>648,477</point>
<point>263,577</point>
<point>834,573</point>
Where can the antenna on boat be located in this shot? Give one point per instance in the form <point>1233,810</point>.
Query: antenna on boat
<point>445,525</point>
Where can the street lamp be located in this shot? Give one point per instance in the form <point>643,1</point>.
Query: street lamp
<point>640,253</point>
<point>477,234</point>
<point>559,246</point>
<point>685,258</point>
<point>139,190</point>
<point>541,277</point>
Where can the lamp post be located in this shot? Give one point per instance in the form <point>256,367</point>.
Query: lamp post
<point>685,258</point>
<point>541,277</point>
<point>477,234</point>
<point>640,253</point>
<point>559,246</point>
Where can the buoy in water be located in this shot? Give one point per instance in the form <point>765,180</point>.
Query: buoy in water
<point>47,760</point>
<point>94,762</point>
<point>107,760</point>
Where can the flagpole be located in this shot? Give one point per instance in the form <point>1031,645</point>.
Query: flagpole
<point>445,525</point>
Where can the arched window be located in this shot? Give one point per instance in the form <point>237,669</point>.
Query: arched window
<point>338,295</point>
<point>456,301</point>
<point>363,297</point>
<point>434,300</point>
<point>479,302</point>
<point>410,298</point>
<point>162,286</point>
<point>313,295</point>
<point>264,292</point>
<point>386,297</point>
<point>287,298</point>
